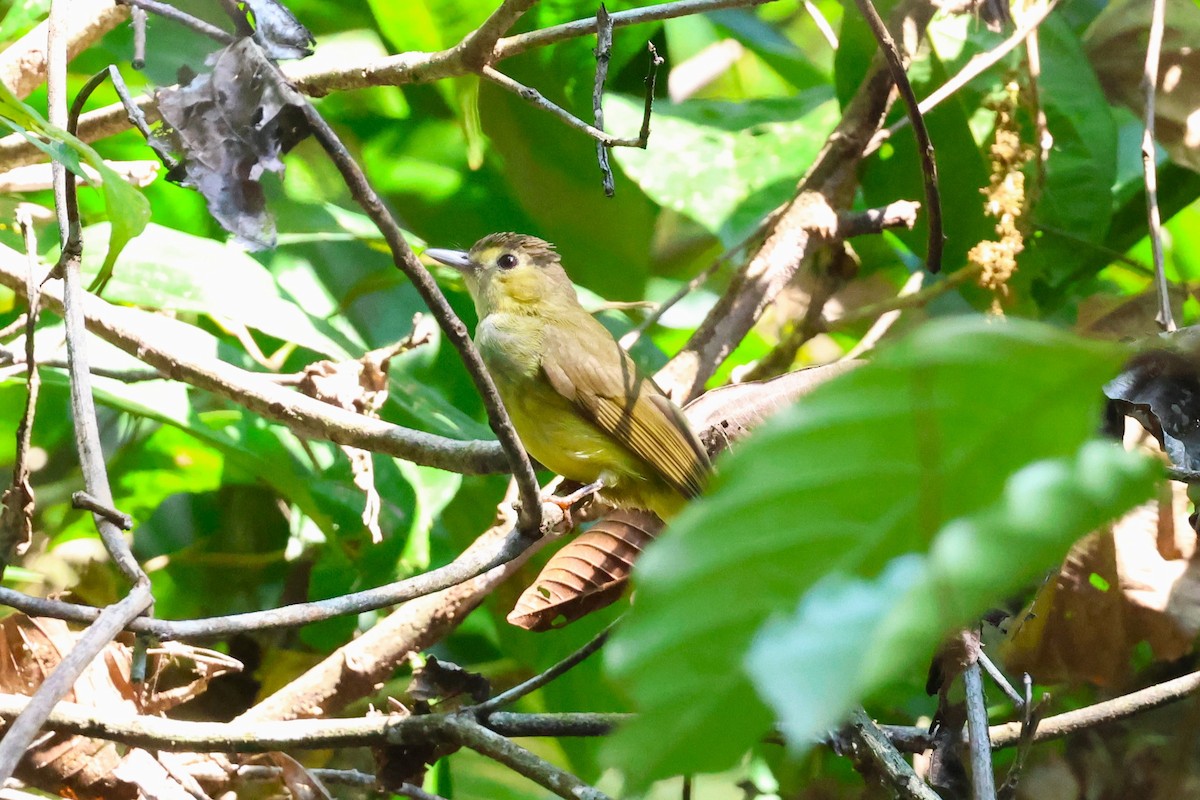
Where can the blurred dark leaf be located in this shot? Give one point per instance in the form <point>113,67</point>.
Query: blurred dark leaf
<point>278,30</point>
<point>1160,388</point>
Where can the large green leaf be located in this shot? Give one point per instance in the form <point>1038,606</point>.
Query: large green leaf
<point>851,636</point>
<point>868,467</point>
<point>752,155</point>
<point>172,270</point>
<point>128,210</point>
<point>1076,204</point>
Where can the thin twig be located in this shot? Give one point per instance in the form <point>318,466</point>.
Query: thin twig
<point>933,200</point>
<point>167,11</point>
<point>604,39</point>
<point>822,24</point>
<point>417,793</point>
<point>295,615</point>
<point>137,118</point>
<point>403,68</point>
<point>84,501</point>
<point>1031,718</point>
<point>515,45</point>
<point>536,98</point>
<point>1000,680</point>
<point>17,514</point>
<point>873,755</point>
<point>514,694</point>
<point>98,636</point>
<point>903,301</point>
<point>468,733</point>
<point>1158,15</point>
<point>250,773</point>
<point>1041,126</point>
<point>648,105</point>
<point>138,19</point>
<point>701,278</point>
<point>983,780</point>
<point>83,407</point>
<point>971,70</point>
<point>886,320</point>
<point>364,194</point>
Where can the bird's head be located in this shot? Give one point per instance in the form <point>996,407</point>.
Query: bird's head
<point>510,273</point>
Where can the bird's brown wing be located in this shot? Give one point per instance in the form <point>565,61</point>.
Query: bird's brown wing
<point>595,374</point>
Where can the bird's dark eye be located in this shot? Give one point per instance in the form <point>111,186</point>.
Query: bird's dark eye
<point>506,261</point>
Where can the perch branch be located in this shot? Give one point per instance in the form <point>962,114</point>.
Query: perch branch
<point>1158,12</point>
<point>155,340</point>
<point>529,519</point>
<point>983,780</point>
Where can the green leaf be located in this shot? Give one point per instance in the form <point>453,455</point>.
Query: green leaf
<point>753,153</point>
<point>866,468</point>
<point>1077,199</point>
<point>177,271</point>
<point>849,637</point>
<point>128,210</point>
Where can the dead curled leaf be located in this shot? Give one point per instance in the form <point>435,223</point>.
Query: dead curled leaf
<point>1116,47</point>
<point>230,126</point>
<point>30,649</point>
<point>361,386</point>
<point>1137,581</point>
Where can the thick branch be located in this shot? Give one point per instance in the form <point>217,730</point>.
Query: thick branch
<point>403,68</point>
<point>23,63</point>
<point>806,223</point>
<point>155,340</point>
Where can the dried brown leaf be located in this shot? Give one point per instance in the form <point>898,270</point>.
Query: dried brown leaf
<point>587,574</point>
<point>1138,581</point>
<point>1116,46</point>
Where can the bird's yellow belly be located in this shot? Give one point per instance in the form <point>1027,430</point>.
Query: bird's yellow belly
<point>555,433</point>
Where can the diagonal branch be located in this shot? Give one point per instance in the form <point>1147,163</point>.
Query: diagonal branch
<point>156,339</point>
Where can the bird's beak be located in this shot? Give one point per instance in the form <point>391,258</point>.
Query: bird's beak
<point>451,258</point>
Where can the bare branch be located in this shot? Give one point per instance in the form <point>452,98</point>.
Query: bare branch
<point>403,68</point>
<point>538,681</point>
<point>464,568</point>
<point>604,40</point>
<point>806,223</point>
<point>167,11</point>
<point>83,406</point>
<point>933,200</point>
<point>973,69</point>
<point>469,733</point>
<point>530,511</point>
<point>1158,13</point>
<point>16,516</point>
<point>42,705</point>
<point>983,780</point>
<point>873,755</point>
<point>155,339</point>
<point>23,63</point>
<point>262,736</point>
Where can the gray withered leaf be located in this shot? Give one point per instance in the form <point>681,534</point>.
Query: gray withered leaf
<point>229,127</point>
<point>278,31</point>
<point>1160,388</point>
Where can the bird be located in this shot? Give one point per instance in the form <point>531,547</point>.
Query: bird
<point>578,402</point>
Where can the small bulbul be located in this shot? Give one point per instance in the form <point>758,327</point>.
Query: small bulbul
<point>580,405</point>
